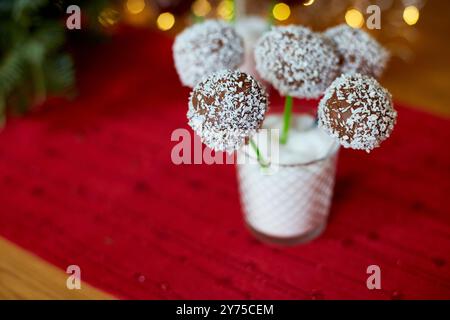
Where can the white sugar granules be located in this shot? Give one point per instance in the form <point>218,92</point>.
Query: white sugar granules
<point>297,61</point>
<point>357,111</point>
<point>226,108</point>
<point>359,52</point>
<point>205,48</point>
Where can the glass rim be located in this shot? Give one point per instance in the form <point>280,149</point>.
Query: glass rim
<point>331,152</point>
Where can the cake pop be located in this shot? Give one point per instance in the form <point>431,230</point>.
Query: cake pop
<point>357,50</point>
<point>296,61</point>
<point>357,111</point>
<point>226,109</point>
<point>205,48</point>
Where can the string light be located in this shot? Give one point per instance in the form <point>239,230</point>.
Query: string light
<point>165,21</point>
<point>281,11</point>
<point>225,9</point>
<point>108,17</point>
<point>135,6</point>
<point>143,18</point>
<point>201,8</point>
<point>411,15</point>
<point>354,18</point>
<point>308,3</point>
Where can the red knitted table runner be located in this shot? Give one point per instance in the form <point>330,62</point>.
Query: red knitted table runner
<point>90,182</point>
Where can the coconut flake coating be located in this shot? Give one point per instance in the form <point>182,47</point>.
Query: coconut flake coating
<point>297,61</point>
<point>357,50</point>
<point>357,111</point>
<point>227,108</point>
<point>205,48</point>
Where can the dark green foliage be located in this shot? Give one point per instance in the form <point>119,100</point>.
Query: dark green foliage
<point>33,58</point>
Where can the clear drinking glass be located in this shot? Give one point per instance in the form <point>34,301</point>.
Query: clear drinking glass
<point>290,206</point>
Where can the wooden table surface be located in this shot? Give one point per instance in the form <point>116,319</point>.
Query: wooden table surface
<point>25,276</point>
<point>423,82</point>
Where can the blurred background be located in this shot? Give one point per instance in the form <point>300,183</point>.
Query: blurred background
<point>37,60</point>
<point>86,177</point>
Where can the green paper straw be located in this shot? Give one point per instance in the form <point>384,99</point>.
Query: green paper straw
<point>271,19</point>
<point>259,156</point>
<point>286,119</point>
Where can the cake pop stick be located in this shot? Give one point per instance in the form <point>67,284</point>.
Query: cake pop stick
<point>297,62</point>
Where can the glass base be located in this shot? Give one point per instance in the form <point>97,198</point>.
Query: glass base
<point>287,241</point>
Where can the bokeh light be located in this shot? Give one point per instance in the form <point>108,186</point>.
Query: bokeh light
<point>165,21</point>
<point>225,9</point>
<point>201,8</point>
<point>108,17</point>
<point>281,11</point>
<point>135,6</point>
<point>411,15</point>
<point>308,3</point>
<point>354,18</point>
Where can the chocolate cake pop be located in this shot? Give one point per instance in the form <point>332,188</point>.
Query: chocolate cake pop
<point>357,111</point>
<point>205,48</point>
<point>357,50</point>
<point>297,61</point>
<point>227,108</point>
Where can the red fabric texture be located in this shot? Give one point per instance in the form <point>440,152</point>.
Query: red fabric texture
<point>90,182</point>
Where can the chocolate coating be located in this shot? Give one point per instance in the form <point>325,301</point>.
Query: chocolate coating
<point>357,50</point>
<point>296,61</point>
<point>205,48</point>
<point>357,111</point>
<point>227,108</point>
